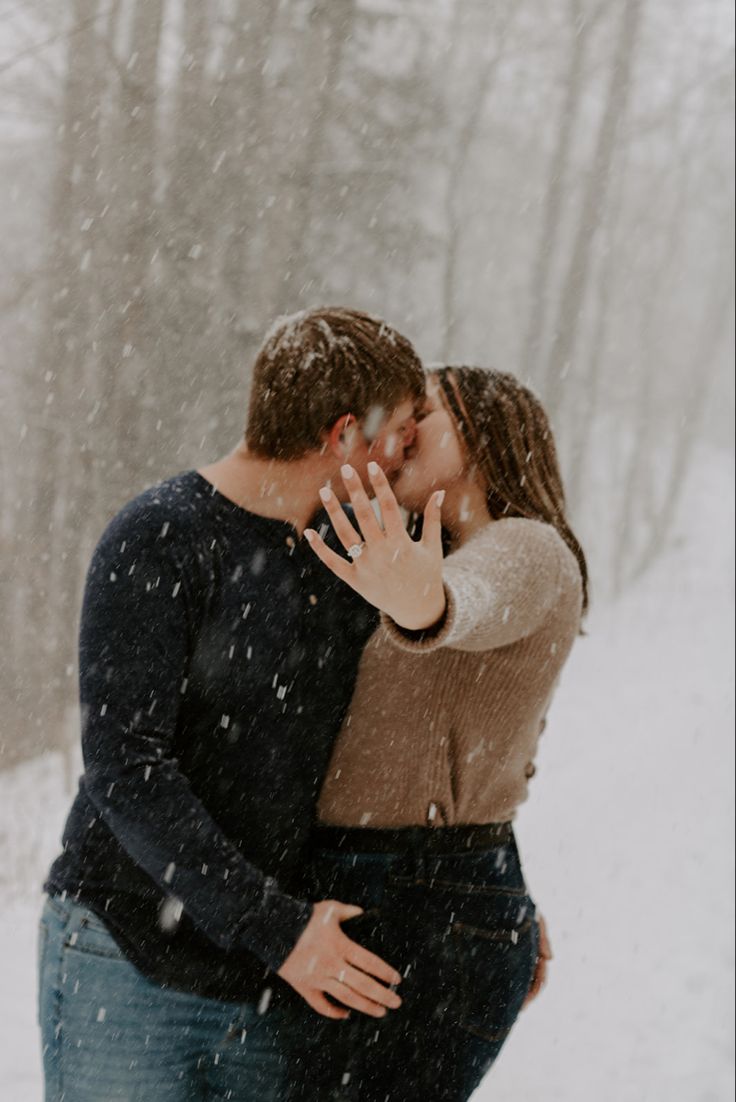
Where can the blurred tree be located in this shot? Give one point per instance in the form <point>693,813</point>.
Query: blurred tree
<point>564,334</point>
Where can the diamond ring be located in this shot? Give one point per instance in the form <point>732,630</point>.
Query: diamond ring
<point>355,551</point>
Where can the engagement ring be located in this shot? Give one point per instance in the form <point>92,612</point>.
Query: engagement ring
<point>355,551</point>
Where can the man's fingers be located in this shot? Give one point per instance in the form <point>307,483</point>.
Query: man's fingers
<point>330,558</point>
<point>390,513</point>
<point>371,964</point>
<point>364,514</point>
<point>372,990</point>
<point>323,1006</point>
<point>343,528</point>
<point>349,997</point>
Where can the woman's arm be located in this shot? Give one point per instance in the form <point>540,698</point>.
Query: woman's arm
<point>500,586</point>
<point>497,588</point>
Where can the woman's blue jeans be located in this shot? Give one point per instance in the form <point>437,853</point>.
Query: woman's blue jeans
<point>110,1033</point>
<point>462,929</point>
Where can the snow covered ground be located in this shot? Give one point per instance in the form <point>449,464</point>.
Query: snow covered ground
<point>628,844</point>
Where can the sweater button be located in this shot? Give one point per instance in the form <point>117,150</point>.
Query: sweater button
<point>530,770</point>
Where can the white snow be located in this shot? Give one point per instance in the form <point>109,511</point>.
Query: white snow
<point>627,840</point>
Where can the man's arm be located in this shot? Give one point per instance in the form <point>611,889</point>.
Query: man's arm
<point>135,639</point>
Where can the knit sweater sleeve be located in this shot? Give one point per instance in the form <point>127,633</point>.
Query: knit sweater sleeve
<point>500,587</point>
<point>138,620</point>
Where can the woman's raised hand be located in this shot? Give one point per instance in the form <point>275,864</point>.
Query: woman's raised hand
<point>399,575</point>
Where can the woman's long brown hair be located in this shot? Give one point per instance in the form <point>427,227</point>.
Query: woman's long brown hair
<point>509,440</point>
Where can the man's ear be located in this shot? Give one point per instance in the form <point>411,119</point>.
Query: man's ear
<point>341,437</point>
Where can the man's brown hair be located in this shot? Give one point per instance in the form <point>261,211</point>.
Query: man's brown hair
<point>317,365</point>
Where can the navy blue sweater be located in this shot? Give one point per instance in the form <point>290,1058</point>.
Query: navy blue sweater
<point>217,660</point>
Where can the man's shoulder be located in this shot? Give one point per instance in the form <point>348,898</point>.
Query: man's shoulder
<point>172,512</point>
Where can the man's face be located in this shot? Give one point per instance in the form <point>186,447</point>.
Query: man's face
<point>386,439</point>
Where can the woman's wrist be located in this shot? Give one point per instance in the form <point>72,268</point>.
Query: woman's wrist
<point>428,618</point>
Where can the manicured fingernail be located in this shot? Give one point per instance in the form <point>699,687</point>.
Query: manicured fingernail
<point>439,497</point>
<point>325,493</point>
<point>308,535</point>
<point>373,468</point>
<point>347,471</point>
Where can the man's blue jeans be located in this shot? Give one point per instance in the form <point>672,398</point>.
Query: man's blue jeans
<point>110,1033</point>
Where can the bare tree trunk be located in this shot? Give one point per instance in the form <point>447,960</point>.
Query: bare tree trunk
<point>639,483</point>
<point>458,161</point>
<point>587,403</point>
<point>64,354</point>
<point>539,299</point>
<point>245,172</point>
<point>565,334</point>
<point>715,327</point>
<point>297,281</point>
<point>187,366</point>
<point>127,370</point>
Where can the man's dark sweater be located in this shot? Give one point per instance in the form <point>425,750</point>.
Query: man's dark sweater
<point>217,659</point>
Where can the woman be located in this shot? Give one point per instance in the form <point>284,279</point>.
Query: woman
<point>435,755</point>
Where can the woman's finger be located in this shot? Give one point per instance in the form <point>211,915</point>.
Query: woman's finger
<point>393,522</point>
<point>344,530</point>
<point>545,949</point>
<point>342,569</point>
<point>432,527</point>
<point>539,980</point>
<point>364,514</point>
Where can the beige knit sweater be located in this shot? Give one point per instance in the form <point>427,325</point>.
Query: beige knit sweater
<point>444,730</point>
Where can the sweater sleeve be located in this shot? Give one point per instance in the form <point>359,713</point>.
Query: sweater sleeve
<point>139,615</point>
<point>500,587</point>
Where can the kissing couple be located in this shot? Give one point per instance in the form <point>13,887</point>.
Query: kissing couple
<point>313,675</point>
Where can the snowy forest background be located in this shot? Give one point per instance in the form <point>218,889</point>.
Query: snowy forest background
<point>545,188</point>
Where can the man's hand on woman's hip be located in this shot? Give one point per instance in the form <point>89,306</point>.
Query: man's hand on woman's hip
<point>325,961</point>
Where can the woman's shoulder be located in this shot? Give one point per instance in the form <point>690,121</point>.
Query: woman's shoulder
<point>521,544</point>
<point>513,533</point>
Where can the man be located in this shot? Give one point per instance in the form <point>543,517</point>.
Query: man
<point>217,659</point>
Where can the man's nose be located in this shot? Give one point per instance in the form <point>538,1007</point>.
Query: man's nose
<point>411,434</point>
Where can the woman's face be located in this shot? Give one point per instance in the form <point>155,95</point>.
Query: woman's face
<point>436,460</point>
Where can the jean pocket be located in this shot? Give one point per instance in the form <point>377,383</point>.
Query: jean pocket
<point>496,965</point>
<point>86,933</point>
